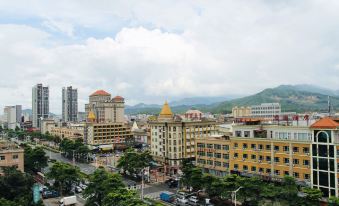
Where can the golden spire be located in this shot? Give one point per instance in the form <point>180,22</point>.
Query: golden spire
<point>91,116</point>
<point>166,111</point>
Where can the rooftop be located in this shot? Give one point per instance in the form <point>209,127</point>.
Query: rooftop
<point>326,123</point>
<point>100,93</point>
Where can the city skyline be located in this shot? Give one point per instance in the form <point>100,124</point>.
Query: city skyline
<point>143,52</point>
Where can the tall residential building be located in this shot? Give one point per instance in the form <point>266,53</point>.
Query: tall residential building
<point>12,116</point>
<point>40,104</point>
<point>106,109</point>
<point>173,139</point>
<point>69,104</point>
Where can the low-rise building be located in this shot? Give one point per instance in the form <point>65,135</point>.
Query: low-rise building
<point>68,132</point>
<point>11,155</point>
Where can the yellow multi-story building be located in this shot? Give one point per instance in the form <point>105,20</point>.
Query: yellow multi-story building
<point>308,153</point>
<point>11,155</point>
<point>173,139</point>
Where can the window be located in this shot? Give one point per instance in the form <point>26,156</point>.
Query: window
<point>217,155</point>
<point>296,161</point>
<point>261,157</point>
<point>15,156</point>
<point>245,156</point>
<point>260,146</point>
<point>295,149</point>
<point>268,170</point>
<point>235,155</point>
<point>261,169</point>
<point>268,147</point>
<point>244,146</point>
<point>276,159</point>
<point>226,164</point>
<point>277,172</point>
<point>209,154</point>
<point>286,160</point>
<point>235,145</point>
<point>209,162</point>
<point>253,157</point>
<point>306,150</point>
<point>210,146</point>
<point>276,148</point>
<point>238,133</point>
<point>253,169</point>
<point>253,146</point>
<point>245,167</point>
<point>286,173</point>
<point>225,147</point>
<point>286,148</point>
<point>296,174</point>
<point>306,162</point>
<point>236,166</point>
<point>200,153</point>
<point>201,145</point>
<point>225,156</point>
<point>2,157</point>
<point>306,176</point>
<point>246,133</point>
<point>217,146</point>
<point>268,158</point>
<point>217,163</point>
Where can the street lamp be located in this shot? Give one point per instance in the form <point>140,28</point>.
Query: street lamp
<point>234,194</point>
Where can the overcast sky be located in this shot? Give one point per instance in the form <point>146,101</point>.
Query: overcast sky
<point>149,51</point>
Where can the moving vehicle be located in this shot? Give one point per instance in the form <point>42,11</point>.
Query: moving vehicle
<point>167,196</point>
<point>67,201</point>
<point>193,200</point>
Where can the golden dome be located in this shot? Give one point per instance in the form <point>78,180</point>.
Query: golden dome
<point>166,111</point>
<point>91,116</point>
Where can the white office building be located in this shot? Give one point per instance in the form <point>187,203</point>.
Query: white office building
<point>40,104</point>
<point>12,116</point>
<point>69,104</point>
<point>266,110</point>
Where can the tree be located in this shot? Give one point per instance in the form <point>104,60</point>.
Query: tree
<point>15,186</point>
<point>251,189</point>
<point>34,159</point>
<point>68,147</point>
<point>101,184</point>
<point>134,162</point>
<point>123,197</point>
<point>65,175</point>
<point>214,186</point>
<point>333,201</point>
<point>4,202</point>
<point>289,190</point>
<point>311,198</point>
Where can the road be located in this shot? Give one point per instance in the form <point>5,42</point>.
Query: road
<point>85,168</point>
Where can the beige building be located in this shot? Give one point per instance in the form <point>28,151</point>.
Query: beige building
<point>68,132</point>
<point>241,112</point>
<point>110,133</point>
<point>47,125</point>
<point>173,139</point>
<point>104,108</point>
<point>11,155</point>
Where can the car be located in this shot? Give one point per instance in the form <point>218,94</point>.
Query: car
<point>173,184</point>
<point>193,200</point>
<point>181,195</point>
<point>181,201</point>
<point>78,189</point>
<point>43,188</point>
<point>50,194</point>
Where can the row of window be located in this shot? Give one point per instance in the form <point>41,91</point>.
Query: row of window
<point>276,159</point>
<point>214,146</point>
<point>277,148</point>
<point>2,157</point>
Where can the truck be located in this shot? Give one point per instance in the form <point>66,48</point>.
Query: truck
<point>67,201</point>
<point>167,196</point>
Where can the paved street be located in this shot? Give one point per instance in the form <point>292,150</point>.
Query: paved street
<point>85,168</point>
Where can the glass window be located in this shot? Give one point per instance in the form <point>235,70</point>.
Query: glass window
<point>2,157</point>
<point>253,157</point>
<point>225,156</point>
<point>15,157</point>
<point>235,154</point>
<point>322,136</point>
<point>323,178</point>
<point>245,167</point>
<point>296,161</point>
<point>314,150</point>
<point>268,147</point>
<point>276,148</point>
<point>323,150</point>
<point>244,146</point>
<point>225,147</point>
<point>209,154</point>
<point>332,179</point>
<point>315,177</point>
<point>244,156</point>
<point>306,150</point>
<point>306,176</point>
<point>315,163</point>
<point>286,160</point>
<point>276,159</point>
<point>253,146</point>
<point>286,173</point>
<point>217,164</point>
<point>226,164</point>
<point>323,164</point>
<point>236,145</point>
<point>286,148</point>
<point>238,133</point>
<point>295,149</point>
<point>246,133</point>
<point>268,158</point>
<point>217,155</point>
<point>268,170</point>
<point>306,162</point>
<point>217,146</point>
<point>236,166</point>
<point>332,165</point>
<point>260,146</point>
<point>277,172</point>
<point>253,169</point>
<point>296,174</point>
<point>331,147</point>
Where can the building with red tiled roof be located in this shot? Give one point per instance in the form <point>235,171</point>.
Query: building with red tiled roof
<point>100,93</point>
<point>326,123</point>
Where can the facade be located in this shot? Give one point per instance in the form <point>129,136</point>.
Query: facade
<point>110,133</point>
<point>265,110</point>
<point>11,155</point>
<point>308,153</point>
<point>47,125</point>
<point>40,104</point>
<point>241,112</point>
<point>12,116</point>
<point>173,139</point>
<point>106,109</point>
<point>69,104</point>
<point>68,132</point>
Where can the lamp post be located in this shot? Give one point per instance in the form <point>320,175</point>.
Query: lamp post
<point>234,194</point>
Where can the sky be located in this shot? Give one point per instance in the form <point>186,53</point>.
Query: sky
<point>151,51</point>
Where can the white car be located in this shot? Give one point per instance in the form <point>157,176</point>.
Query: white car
<point>182,201</point>
<point>193,200</point>
<point>78,189</point>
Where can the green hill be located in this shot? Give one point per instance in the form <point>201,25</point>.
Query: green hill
<point>290,97</point>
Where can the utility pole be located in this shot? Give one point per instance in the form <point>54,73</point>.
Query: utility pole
<point>142,184</point>
<point>73,158</point>
<point>234,193</point>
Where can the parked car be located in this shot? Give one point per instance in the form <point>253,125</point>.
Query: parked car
<point>193,200</point>
<point>50,194</point>
<point>78,189</point>
<point>181,201</point>
<point>181,195</point>
<point>172,183</point>
<point>43,188</point>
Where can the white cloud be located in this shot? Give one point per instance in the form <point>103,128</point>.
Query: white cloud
<point>149,51</point>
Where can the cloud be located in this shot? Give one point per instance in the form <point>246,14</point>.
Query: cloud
<point>165,50</point>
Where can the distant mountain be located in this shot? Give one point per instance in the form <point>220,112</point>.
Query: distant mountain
<point>29,111</point>
<point>299,98</point>
<point>313,89</point>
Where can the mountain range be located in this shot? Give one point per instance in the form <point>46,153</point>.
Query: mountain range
<point>298,98</point>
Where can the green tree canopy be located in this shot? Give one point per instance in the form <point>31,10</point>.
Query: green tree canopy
<point>65,175</point>
<point>133,162</point>
<point>34,159</point>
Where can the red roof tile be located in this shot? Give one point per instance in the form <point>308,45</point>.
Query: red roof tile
<point>100,93</point>
<point>118,97</point>
<point>325,123</point>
